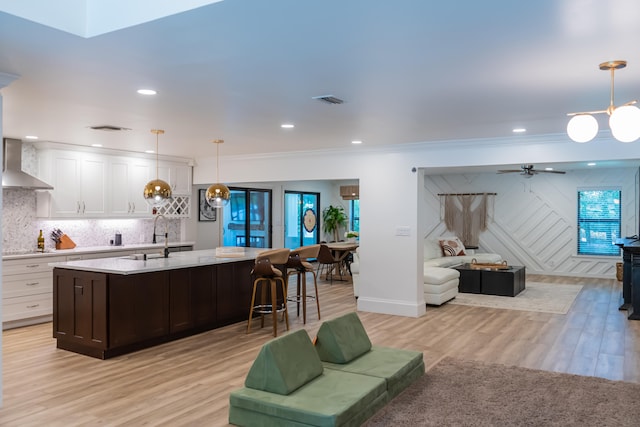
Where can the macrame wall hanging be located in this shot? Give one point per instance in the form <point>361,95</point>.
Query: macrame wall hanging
<point>466,214</point>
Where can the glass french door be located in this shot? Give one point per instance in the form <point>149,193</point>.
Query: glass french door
<point>301,218</point>
<point>247,218</point>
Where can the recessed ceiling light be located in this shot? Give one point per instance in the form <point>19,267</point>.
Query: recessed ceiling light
<point>519,130</point>
<point>149,151</point>
<point>548,169</point>
<point>591,164</point>
<point>96,145</point>
<point>356,142</point>
<point>287,126</point>
<point>147,92</point>
<point>30,137</point>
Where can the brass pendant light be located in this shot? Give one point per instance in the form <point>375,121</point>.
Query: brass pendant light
<point>218,194</point>
<point>157,192</point>
<point>624,121</point>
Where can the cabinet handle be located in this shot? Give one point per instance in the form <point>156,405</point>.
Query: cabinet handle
<point>129,207</point>
<point>83,207</point>
<point>33,306</point>
<point>32,283</point>
<point>78,209</point>
<point>32,265</point>
<point>133,210</point>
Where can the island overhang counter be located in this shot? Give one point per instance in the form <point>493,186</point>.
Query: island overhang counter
<point>112,306</point>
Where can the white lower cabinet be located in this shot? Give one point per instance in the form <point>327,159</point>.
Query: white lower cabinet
<point>27,291</point>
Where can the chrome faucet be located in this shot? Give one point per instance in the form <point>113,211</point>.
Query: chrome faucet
<point>166,234</point>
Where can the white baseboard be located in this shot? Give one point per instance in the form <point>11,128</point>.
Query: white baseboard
<point>394,307</point>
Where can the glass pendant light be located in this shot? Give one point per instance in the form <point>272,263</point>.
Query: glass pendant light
<point>157,192</point>
<point>624,121</point>
<point>218,194</point>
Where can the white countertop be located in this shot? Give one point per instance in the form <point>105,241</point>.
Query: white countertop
<point>176,260</point>
<point>94,249</point>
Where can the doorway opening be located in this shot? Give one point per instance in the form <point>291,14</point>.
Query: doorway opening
<point>301,219</point>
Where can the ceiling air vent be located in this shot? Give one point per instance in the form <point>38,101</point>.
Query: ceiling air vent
<point>108,128</point>
<point>329,99</point>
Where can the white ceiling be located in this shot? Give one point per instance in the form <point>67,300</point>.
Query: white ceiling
<point>408,70</point>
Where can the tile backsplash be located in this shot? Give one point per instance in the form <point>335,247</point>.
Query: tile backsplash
<point>20,226</point>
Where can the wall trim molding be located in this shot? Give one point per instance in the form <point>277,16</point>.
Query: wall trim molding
<point>394,307</point>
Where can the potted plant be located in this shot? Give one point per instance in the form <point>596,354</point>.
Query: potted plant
<point>334,217</point>
<point>351,235</point>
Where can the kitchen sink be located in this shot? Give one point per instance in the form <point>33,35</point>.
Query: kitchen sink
<point>143,257</point>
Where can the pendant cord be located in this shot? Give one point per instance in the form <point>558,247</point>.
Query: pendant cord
<point>157,159</point>
<point>218,162</point>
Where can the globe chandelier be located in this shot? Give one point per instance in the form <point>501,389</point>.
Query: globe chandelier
<point>157,192</point>
<point>624,121</point>
<point>218,194</point>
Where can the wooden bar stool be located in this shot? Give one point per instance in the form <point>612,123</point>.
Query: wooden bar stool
<point>265,273</point>
<point>299,266</point>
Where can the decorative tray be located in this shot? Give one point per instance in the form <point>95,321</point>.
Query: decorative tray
<point>488,266</point>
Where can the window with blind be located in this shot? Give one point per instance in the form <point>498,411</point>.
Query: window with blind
<point>599,217</point>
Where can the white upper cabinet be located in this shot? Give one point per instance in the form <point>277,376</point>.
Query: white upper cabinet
<point>79,182</point>
<point>126,186</point>
<point>102,185</point>
<point>140,172</point>
<point>177,175</point>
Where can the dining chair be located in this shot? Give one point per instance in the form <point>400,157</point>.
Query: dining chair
<point>328,263</point>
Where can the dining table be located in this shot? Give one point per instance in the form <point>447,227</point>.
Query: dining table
<point>341,251</point>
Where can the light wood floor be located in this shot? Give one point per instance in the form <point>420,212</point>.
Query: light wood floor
<point>187,382</point>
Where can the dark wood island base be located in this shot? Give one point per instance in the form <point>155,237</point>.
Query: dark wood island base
<point>103,315</point>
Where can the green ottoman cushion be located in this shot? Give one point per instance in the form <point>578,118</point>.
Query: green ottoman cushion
<point>398,367</point>
<point>334,398</point>
<point>285,364</point>
<point>342,339</point>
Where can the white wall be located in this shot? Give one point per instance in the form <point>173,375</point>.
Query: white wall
<point>390,192</point>
<point>533,221</point>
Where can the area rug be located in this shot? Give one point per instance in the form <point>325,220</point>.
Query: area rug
<point>467,393</point>
<point>542,297</point>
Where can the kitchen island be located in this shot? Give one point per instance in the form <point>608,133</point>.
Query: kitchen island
<point>112,306</point>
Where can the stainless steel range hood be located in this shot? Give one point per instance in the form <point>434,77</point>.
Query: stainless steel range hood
<point>12,174</point>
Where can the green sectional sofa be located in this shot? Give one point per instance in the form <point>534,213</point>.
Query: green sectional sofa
<point>341,381</point>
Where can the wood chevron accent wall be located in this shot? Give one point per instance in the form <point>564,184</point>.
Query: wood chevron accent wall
<point>533,221</point>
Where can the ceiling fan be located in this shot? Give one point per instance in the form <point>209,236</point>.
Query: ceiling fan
<point>528,171</point>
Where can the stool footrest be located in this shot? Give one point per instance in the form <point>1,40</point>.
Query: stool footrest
<point>299,298</point>
<point>267,309</point>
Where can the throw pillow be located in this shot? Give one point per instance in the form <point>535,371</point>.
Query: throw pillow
<point>452,246</point>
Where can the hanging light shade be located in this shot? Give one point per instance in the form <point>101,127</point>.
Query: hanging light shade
<point>582,128</point>
<point>624,121</point>
<point>157,192</point>
<point>218,194</point>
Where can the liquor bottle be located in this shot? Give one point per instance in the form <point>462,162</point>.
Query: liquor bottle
<point>41,242</point>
